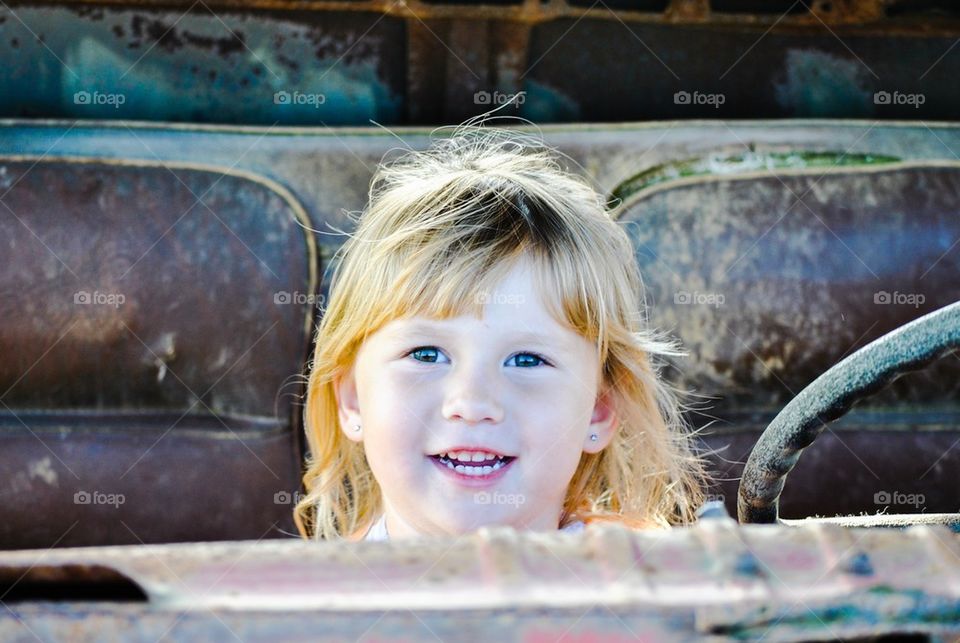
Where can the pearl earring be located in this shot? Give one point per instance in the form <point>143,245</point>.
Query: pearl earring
<point>594,437</point>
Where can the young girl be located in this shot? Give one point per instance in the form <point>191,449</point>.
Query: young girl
<point>485,359</point>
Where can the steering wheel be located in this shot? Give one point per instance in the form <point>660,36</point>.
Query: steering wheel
<point>908,348</point>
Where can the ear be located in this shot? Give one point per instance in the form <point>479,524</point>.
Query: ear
<point>348,406</point>
<point>603,422</point>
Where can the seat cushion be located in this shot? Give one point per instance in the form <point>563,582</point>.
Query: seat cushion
<point>771,278</point>
<point>156,320</point>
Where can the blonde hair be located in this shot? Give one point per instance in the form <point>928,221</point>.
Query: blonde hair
<point>443,226</point>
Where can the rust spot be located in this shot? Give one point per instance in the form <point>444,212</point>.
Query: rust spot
<point>93,13</point>
<point>288,62</point>
<point>156,31</point>
<point>350,48</point>
<point>224,46</point>
<point>167,37</point>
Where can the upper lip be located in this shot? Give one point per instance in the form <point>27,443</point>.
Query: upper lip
<point>476,449</point>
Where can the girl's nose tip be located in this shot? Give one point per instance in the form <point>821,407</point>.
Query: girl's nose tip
<point>474,416</point>
<point>473,410</point>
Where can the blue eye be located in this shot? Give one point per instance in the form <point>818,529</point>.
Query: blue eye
<point>431,357</point>
<point>422,349</point>
<point>533,355</point>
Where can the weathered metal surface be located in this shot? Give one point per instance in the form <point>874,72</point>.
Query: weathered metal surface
<point>155,318</point>
<point>771,278</point>
<point>719,12</point>
<point>347,62</point>
<point>465,66</point>
<point>869,461</point>
<point>104,63</point>
<point>830,396</point>
<point>716,578</point>
<point>744,163</point>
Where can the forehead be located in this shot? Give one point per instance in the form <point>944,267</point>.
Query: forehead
<point>517,304</point>
<point>418,326</point>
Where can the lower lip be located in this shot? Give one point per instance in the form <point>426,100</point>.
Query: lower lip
<point>473,481</point>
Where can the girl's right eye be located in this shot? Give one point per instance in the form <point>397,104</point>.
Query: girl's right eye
<point>428,350</point>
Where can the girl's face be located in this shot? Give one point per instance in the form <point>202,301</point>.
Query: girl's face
<point>512,383</point>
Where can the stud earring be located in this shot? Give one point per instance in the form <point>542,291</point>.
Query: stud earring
<point>356,427</point>
<point>594,437</point>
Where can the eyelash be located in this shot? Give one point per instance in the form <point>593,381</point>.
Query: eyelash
<point>537,355</point>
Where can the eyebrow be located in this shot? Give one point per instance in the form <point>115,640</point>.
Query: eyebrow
<point>414,328</point>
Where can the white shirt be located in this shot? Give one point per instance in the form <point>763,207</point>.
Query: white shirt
<point>378,531</point>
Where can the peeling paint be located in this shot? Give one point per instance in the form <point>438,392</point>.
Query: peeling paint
<point>721,164</point>
<point>43,469</point>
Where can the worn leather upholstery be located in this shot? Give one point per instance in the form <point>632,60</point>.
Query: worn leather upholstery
<point>770,279</point>
<point>156,322</point>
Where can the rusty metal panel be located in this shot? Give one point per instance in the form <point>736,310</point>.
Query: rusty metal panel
<point>200,66</point>
<point>808,582</point>
<point>351,61</point>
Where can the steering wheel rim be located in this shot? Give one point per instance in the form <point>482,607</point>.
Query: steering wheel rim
<point>908,348</point>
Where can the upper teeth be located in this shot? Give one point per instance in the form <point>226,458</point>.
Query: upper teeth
<point>470,456</point>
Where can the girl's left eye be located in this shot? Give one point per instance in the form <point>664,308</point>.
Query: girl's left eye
<point>431,352</point>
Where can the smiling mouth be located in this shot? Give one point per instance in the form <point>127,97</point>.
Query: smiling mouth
<point>483,467</point>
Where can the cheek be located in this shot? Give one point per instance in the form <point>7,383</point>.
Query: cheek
<point>394,417</point>
<point>558,419</point>
<point>561,399</point>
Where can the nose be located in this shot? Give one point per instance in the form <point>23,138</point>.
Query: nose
<point>472,395</point>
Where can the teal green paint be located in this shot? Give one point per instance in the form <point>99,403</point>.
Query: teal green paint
<point>741,164</point>
<point>818,84</point>
<point>233,80</point>
<point>882,604</point>
<point>543,104</point>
